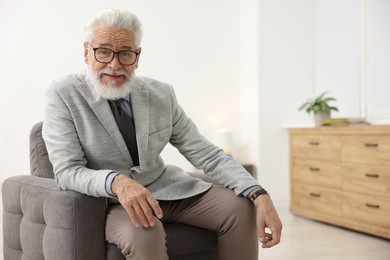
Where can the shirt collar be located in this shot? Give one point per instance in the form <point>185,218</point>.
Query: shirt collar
<point>127,97</point>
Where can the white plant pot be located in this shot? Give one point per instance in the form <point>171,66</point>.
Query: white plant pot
<point>319,117</point>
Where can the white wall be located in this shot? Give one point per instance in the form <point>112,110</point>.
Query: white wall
<point>337,53</point>
<point>286,79</point>
<point>377,56</point>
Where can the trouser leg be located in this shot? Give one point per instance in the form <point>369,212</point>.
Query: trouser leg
<point>136,243</point>
<point>222,211</point>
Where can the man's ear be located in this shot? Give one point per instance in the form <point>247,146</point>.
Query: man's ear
<point>86,52</point>
<point>139,51</point>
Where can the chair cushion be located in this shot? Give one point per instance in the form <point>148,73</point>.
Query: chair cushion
<point>184,242</point>
<point>39,159</point>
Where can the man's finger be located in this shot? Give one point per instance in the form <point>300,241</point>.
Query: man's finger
<point>132,215</point>
<point>141,215</point>
<point>148,213</point>
<point>261,230</point>
<point>155,206</point>
<point>273,238</point>
<point>261,233</point>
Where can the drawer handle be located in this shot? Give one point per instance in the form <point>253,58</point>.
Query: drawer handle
<point>314,143</point>
<point>371,145</point>
<point>372,206</point>
<point>316,195</point>
<point>314,169</point>
<point>371,175</point>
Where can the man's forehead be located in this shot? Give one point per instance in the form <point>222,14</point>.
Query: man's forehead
<point>110,45</point>
<point>110,36</point>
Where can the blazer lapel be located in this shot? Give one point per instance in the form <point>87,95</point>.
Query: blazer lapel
<point>140,109</point>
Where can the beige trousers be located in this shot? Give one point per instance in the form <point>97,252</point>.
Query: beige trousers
<point>218,209</point>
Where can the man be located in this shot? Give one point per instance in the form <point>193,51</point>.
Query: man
<point>105,130</point>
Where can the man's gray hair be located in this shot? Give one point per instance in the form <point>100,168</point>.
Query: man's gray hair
<point>116,18</point>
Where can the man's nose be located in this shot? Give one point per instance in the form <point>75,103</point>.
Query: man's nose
<point>115,64</point>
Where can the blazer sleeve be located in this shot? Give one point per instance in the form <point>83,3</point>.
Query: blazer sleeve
<point>65,151</point>
<point>202,154</point>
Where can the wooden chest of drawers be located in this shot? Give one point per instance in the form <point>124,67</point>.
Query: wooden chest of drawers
<point>341,175</point>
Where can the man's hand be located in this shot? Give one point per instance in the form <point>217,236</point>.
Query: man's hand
<point>137,201</point>
<point>267,217</point>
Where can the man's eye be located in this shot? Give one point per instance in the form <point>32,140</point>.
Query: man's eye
<point>126,54</point>
<point>104,52</point>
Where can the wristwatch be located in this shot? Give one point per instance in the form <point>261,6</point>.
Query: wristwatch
<point>257,193</point>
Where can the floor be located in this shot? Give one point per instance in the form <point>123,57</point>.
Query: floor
<point>306,239</point>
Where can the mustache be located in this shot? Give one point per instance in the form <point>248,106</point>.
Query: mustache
<point>119,72</point>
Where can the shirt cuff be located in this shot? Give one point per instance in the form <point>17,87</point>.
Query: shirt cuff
<point>248,190</point>
<point>109,179</point>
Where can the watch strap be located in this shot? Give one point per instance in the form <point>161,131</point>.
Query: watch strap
<point>257,193</point>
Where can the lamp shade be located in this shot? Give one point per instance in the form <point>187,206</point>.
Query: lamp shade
<point>224,140</point>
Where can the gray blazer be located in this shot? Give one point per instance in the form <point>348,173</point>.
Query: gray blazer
<point>84,142</point>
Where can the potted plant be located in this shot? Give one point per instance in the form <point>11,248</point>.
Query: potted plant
<point>320,107</point>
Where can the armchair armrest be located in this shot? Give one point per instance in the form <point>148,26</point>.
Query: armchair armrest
<point>41,221</point>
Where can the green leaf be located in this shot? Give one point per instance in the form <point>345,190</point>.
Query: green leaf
<point>319,104</point>
<point>329,99</point>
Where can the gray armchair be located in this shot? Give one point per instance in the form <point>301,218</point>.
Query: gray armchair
<point>40,221</point>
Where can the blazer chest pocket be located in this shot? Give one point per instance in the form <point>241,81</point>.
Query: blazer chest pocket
<point>158,139</point>
<point>156,130</point>
<point>159,124</point>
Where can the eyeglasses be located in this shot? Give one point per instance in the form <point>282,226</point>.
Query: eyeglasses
<point>105,55</point>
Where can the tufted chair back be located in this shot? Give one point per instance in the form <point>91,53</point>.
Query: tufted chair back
<point>39,159</point>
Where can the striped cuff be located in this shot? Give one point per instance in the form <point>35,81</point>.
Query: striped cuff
<point>248,190</point>
<point>109,179</point>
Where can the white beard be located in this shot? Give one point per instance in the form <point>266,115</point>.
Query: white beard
<point>110,91</point>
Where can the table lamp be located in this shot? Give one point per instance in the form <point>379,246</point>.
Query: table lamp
<point>223,139</point>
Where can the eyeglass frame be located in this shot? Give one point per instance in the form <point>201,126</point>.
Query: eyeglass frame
<point>115,53</point>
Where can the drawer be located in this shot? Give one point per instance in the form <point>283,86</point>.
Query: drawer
<point>321,147</point>
<point>318,199</point>
<point>369,209</point>
<point>365,178</point>
<point>316,172</point>
<point>372,149</point>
